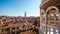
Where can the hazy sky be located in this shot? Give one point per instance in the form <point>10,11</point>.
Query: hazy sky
<point>18,7</point>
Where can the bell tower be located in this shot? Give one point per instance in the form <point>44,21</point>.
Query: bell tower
<point>25,15</point>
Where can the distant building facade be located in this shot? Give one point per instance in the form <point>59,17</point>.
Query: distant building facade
<point>38,21</point>
<point>15,25</point>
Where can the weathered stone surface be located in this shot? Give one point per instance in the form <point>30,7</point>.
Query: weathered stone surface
<point>51,3</point>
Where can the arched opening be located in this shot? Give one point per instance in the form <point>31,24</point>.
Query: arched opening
<point>52,17</point>
<point>42,16</point>
<point>42,20</point>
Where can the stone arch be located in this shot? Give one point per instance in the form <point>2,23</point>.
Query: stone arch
<point>42,15</point>
<point>42,12</point>
<point>55,10</point>
<point>51,8</point>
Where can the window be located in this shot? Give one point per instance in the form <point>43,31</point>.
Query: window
<point>51,17</point>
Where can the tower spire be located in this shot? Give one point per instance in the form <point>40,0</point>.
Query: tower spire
<point>25,15</point>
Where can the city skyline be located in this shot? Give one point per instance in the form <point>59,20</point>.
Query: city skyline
<point>19,7</point>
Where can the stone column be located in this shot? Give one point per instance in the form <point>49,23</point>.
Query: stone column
<point>54,31</point>
<point>58,24</point>
<point>59,29</point>
<point>10,30</point>
<point>59,32</point>
<point>49,30</point>
<point>15,31</point>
